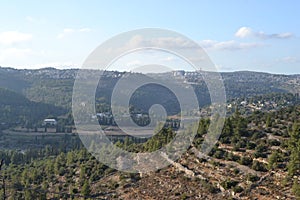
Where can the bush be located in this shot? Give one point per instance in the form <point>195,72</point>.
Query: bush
<point>238,189</point>
<point>257,135</point>
<point>228,184</point>
<point>236,171</point>
<point>245,161</point>
<point>232,157</point>
<point>296,188</point>
<point>207,185</point>
<point>274,142</point>
<point>258,166</point>
<point>251,145</point>
<point>61,171</point>
<point>252,178</point>
<point>261,151</point>
<point>219,154</point>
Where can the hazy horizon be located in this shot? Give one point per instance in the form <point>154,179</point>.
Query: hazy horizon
<point>78,68</point>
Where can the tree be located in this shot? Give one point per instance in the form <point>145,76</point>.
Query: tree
<point>245,160</point>
<point>227,132</point>
<point>240,124</point>
<point>296,188</point>
<point>60,163</point>
<point>273,159</point>
<point>86,190</point>
<point>202,128</point>
<point>70,158</point>
<point>258,166</point>
<point>260,151</point>
<point>169,135</point>
<point>268,121</point>
<point>294,147</point>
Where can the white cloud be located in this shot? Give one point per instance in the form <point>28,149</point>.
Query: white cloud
<point>230,45</point>
<point>180,43</point>
<point>244,32</point>
<point>14,53</point>
<point>172,42</point>
<point>138,41</point>
<point>68,31</point>
<point>289,59</point>
<point>12,37</point>
<point>170,58</point>
<point>263,35</point>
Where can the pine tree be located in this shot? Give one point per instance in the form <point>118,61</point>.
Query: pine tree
<point>294,147</point>
<point>202,127</point>
<point>86,190</point>
<point>296,189</point>
<point>273,159</point>
<point>268,121</point>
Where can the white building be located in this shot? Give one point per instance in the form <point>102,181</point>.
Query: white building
<point>51,122</point>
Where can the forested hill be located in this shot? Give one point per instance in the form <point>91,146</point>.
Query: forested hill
<point>53,86</point>
<point>256,157</point>
<point>17,109</point>
<point>46,85</point>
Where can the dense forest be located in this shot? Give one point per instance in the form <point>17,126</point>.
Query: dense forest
<point>257,154</point>
<point>16,110</point>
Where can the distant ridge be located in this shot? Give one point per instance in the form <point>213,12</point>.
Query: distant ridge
<point>55,86</point>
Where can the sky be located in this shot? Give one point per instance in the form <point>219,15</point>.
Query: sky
<point>237,35</point>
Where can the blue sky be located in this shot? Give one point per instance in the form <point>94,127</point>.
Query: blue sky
<point>237,35</point>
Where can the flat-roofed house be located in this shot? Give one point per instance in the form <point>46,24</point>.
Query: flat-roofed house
<point>49,122</point>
